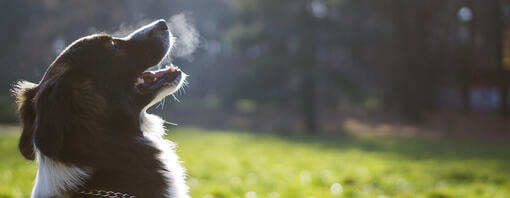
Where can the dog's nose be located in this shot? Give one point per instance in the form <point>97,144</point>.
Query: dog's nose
<point>157,29</point>
<point>161,25</point>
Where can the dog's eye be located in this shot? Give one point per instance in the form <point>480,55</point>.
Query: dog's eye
<point>114,45</point>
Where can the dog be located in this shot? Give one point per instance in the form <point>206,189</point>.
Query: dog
<point>86,123</point>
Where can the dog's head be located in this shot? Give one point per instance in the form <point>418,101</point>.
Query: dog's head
<point>100,84</point>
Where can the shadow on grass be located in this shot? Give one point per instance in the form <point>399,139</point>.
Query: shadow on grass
<point>413,148</point>
<point>440,149</point>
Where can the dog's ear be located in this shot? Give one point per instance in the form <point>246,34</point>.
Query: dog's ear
<point>53,116</point>
<point>24,92</point>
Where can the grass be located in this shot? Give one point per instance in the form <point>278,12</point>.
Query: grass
<point>228,164</point>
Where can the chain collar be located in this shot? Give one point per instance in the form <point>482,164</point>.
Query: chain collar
<point>104,193</point>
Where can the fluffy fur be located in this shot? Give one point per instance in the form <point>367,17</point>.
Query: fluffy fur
<point>86,123</point>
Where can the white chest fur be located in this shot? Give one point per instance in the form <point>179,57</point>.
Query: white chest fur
<point>54,177</point>
<point>153,129</point>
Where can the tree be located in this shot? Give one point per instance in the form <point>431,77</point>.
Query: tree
<point>497,41</point>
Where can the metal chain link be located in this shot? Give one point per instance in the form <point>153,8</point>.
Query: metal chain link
<point>105,193</point>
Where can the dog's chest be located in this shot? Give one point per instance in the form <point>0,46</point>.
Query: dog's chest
<point>54,178</point>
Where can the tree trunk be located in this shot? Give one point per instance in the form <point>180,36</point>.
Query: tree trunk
<point>309,104</point>
<point>497,32</point>
<point>307,61</point>
<point>308,97</point>
<point>416,77</point>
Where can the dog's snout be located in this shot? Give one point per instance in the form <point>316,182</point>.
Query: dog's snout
<point>160,25</point>
<point>155,29</point>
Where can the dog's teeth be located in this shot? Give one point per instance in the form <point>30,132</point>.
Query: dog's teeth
<point>139,81</point>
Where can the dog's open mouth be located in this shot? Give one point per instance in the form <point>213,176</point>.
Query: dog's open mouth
<point>150,81</point>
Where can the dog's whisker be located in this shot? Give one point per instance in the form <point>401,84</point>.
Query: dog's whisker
<point>175,98</point>
<point>163,103</point>
<point>183,90</point>
<point>171,123</point>
<point>159,104</point>
<point>185,85</point>
<point>178,92</point>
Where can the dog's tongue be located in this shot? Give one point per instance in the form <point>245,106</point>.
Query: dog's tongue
<point>151,80</point>
<point>150,77</point>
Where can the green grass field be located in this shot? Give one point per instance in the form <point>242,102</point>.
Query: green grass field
<point>228,164</point>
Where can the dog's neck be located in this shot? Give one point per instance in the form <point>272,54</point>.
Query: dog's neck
<point>153,129</point>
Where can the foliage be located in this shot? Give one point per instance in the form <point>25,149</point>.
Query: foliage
<point>7,109</point>
<point>228,164</point>
<point>299,55</point>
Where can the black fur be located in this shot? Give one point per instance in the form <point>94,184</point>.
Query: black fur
<point>85,112</point>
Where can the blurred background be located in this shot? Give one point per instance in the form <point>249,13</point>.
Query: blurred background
<point>315,66</point>
<point>429,79</point>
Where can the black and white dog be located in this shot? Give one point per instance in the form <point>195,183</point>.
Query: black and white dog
<point>86,122</point>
